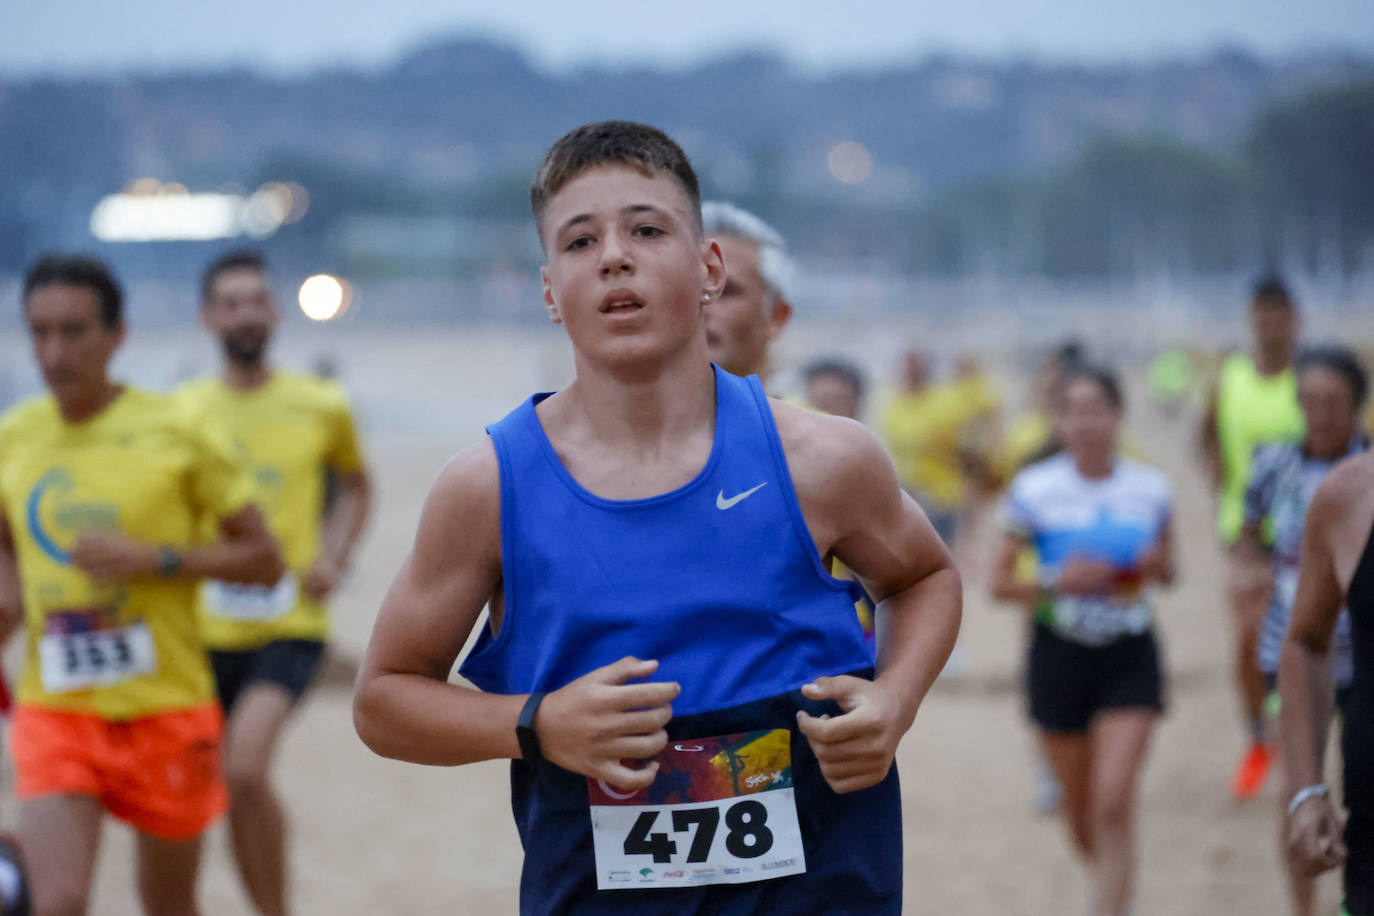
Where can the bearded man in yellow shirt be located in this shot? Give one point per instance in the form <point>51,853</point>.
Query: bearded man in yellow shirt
<point>265,643</point>
<point>106,491</point>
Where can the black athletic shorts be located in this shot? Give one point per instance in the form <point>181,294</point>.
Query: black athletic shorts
<point>288,662</point>
<point>1069,683</point>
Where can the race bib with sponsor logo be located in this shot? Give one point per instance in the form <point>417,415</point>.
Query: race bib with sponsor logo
<point>251,602</point>
<point>721,810</point>
<point>95,657</point>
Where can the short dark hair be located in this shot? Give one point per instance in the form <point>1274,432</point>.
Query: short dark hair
<point>1105,379</point>
<point>238,259</point>
<point>54,269</point>
<point>1069,353</point>
<point>839,368</point>
<point>639,146</point>
<point>1342,361</point>
<point>1271,290</point>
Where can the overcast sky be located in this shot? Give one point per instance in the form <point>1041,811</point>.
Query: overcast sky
<point>47,36</point>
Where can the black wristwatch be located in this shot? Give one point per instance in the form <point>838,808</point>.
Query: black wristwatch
<point>168,562</point>
<point>524,730</point>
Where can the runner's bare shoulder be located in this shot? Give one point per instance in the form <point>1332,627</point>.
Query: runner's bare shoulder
<point>837,465</point>
<point>463,509</point>
<point>1342,511</point>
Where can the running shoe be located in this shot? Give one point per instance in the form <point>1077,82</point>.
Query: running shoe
<point>1248,780</point>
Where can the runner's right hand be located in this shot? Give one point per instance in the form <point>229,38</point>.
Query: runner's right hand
<point>1314,837</point>
<point>598,720</point>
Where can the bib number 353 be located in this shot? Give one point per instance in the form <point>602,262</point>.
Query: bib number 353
<point>74,661</point>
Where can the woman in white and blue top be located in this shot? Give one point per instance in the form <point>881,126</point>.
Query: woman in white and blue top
<point>1100,527</point>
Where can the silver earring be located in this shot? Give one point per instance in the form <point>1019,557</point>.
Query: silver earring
<point>705,297</point>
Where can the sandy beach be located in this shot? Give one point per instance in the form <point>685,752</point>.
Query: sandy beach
<point>375,836</point>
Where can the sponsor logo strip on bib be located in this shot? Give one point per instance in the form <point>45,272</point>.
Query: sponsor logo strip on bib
<point>720,811</point>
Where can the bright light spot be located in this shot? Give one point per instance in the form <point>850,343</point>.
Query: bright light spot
<point>850,162</point>
<point>300,201</point>
<point>263,213</point>
<point>143,218</point>
<point>323,297</point>
<point>150,211</point>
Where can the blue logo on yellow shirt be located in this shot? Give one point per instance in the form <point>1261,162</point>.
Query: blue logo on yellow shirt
<point>60,481</point>
<point>73,515</point>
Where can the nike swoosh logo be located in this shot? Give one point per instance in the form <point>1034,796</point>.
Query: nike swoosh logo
<point>722,503</point>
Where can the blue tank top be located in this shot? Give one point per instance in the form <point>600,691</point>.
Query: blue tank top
<point>721,582</point>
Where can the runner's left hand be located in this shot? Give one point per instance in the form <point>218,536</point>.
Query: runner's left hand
<point>323,578</point>
<point>114,558</point>
<point>855,750</point>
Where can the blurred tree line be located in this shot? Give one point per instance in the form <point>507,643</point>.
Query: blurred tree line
<point>1299,191</point>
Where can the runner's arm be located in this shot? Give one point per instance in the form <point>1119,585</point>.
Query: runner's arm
<point>1209,443</point>
<point>1305,679</point>
<point>404,706</point>
<point>342,526</point>
<point>1007,584</point>
<point>1157,563</point>
<point>11,593</point>
<point>1312,835</point>
<point>246,553</point>
<point>855,508</point>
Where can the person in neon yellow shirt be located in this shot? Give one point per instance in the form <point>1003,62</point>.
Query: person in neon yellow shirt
<point>1255,401</point>
<point>105,489</point>
<point>266,643</point>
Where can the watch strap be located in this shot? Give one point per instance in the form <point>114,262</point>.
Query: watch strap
<point>525,734</point>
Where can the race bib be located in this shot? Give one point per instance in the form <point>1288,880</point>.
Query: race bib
<point>251,602</point>
<point>720,811</point>
<point>96,658</point>
<point>1094,621</point>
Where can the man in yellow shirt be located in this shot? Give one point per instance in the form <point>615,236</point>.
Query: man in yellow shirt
<point>924,427</point>
<point>265,643</point>
<point>1255,401</point>
<point>105,490</point>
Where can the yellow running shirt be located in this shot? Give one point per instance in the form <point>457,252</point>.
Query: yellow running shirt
<point>1251,410</point>
<point>924,433</point>
<point>142,469</point>
<point>289,431</point>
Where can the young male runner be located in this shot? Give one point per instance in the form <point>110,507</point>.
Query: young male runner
<point>106,491</point>
<point>1337,567</point>
<point>265,643</point>
<point>685,689</point>
<point>1255,401</point>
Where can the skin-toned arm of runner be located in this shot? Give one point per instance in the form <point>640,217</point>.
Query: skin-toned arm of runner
<point>404,706</point>
<point>856,510</point>
<point>343,525</point>
<point>1157,562</point>
<point>1307,688</point>
<point>11,593</point>
<point>1209,443</point>
<point>246,552</point>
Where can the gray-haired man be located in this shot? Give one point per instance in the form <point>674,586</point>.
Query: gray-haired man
<point>754,306</point>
